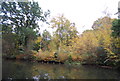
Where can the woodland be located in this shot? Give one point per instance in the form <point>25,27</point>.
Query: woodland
<point>21,38</point>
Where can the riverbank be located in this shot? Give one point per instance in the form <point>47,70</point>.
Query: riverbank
<point>65,63</point>
<point>33,60</point>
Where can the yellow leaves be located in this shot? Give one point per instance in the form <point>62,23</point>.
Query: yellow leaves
<point>111,55</point>
<point>62,56</point>
<point>85,46</point>
<point>52,54</point>
<point>35,53</point>
<point>38,40</point>
<point>117,42</point>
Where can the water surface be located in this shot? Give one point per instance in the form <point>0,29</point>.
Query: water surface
<point>29,70</point>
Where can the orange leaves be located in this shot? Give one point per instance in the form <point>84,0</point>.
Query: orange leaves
<point>21,56</point>
<point>62,56</point>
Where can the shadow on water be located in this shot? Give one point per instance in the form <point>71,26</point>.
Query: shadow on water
<point>29,70</point>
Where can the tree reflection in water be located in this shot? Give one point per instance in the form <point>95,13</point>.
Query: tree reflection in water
<point>29,70</point>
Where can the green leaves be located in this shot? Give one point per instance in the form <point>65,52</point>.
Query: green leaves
<point>116,28</point>
<point>21,18</point>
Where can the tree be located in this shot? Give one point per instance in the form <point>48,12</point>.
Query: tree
<point>65,30</point>
<point>114,54</point>
<point>21,18</point>
<point>93,44</point>
<point>37,44</point>
<point>46,38</point>
<point>102,22</point>
<point>116,28</point>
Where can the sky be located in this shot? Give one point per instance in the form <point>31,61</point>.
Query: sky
<point>82,12</point>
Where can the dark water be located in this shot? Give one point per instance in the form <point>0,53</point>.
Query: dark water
<point>29,70</point>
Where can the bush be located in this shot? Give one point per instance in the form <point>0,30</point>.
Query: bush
<point>62,56</point>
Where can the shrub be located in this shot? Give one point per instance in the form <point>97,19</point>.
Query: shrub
<point>62,56</point>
